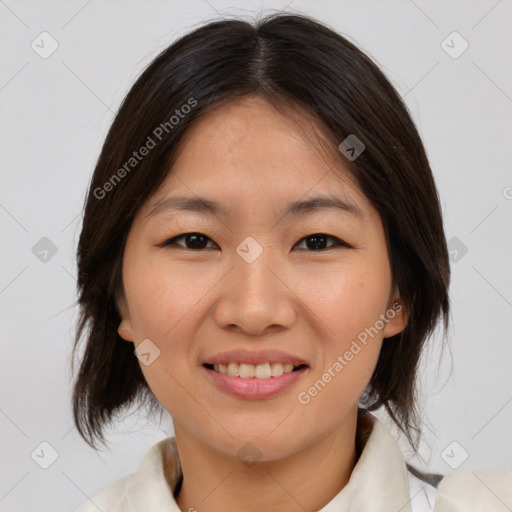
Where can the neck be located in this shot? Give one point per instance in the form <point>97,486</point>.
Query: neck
<point>304,480</point>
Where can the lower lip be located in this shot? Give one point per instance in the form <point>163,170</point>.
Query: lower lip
<point>253,388</point>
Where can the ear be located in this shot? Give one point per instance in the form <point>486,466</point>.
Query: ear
<point>396,316</point>
<point>125,327</point>
<point>125,330</point>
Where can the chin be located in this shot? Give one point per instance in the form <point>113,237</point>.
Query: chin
<point>260,446</point>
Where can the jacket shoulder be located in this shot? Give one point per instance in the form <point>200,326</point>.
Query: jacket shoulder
<point>109,499</point>
<point>474,491</point>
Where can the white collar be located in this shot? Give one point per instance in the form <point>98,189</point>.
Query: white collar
<point>378,482</point>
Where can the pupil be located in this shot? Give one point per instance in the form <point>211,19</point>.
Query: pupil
<point>197,241</point>
<point>316,242</point>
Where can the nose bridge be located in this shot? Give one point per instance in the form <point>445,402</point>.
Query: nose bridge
<point>254,298</point>
<point>253,279</point>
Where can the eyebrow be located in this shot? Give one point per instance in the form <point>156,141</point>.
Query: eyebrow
<point>296,208</point>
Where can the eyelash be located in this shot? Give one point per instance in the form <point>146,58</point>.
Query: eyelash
<point>339,243</point>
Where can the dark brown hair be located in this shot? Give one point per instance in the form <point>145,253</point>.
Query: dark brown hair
<point>286,59</point>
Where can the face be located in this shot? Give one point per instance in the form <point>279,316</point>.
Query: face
<point>257,282</point>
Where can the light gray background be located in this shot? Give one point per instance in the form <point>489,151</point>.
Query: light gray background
<point>54,115</point>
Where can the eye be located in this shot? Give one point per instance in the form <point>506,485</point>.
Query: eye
<point>317,241</point>
<point>196,241</point>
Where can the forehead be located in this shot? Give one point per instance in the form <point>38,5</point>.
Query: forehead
<point>248,152</point>
<point>251,133</point>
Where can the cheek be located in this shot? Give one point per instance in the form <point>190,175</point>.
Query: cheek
<point>163,302</point>
<point>347,300</point>
<point>162,311</point>
<point>336,389</point>
<point>160,296</point>
<point>348,304</point>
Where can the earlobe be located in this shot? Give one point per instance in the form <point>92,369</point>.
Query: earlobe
<point>124,330</point>
<point>125,327</point>
<point>397,318</point>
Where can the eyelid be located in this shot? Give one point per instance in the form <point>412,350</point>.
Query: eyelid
<point>338,241</point>
<point>171,240</point>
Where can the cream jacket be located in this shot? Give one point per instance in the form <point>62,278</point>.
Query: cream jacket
<point>379,482</point>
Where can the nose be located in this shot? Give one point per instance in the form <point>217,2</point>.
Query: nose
<point>254,296</point>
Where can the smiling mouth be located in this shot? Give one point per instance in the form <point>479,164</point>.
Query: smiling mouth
<point>259,371</point>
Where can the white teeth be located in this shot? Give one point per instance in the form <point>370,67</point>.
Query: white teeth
<point>260,371</point>
<point>233,370</point>
<point>246,370</point>
<point>277,369</point>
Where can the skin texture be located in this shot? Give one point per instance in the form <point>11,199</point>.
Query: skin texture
<point>312,303</point>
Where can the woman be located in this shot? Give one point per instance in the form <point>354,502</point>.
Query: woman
<point>263,233</point>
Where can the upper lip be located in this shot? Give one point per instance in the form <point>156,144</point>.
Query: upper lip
<point>255,357</point>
